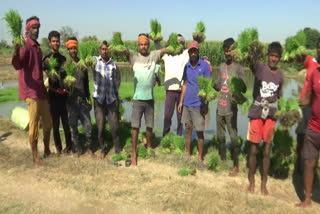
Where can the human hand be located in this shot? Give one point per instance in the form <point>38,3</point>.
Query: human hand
<point>180,106</point>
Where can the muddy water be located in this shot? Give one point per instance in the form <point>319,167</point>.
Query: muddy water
<point>291,87</point>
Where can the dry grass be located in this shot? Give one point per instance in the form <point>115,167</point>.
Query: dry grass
<point>81,185</point>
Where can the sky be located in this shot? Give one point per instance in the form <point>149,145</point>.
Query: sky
<point>274,19</point>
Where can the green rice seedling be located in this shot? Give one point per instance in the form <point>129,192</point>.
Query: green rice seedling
<point>187,171</point>
<point>237,88</point>
<point>86,52</point>
<point>174,47</point>
<point>213,162</point>
<point>89,61</point>
<point>143,152</point>
<point>206,92</point>
<point>51,64</point>
<point>70,80</point>
<point>118,157</point>
<point>14,22</point>
<point>128,143</point>
<point>288,112</point>
<point>166,143</point>
<point>117,46</point>
<point>155,33</point>
<point>255,52</point>
<point>245,38</point>
<point>179,145</point>
<point>199,35</point>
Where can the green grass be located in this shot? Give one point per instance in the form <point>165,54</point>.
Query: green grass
<point>9,95</point>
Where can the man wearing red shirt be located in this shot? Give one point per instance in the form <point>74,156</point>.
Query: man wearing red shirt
<point>310,63</point>
<point>28,60</point>
<point>311,144</point>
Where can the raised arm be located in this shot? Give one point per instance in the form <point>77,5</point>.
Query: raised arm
<point>19,56</point>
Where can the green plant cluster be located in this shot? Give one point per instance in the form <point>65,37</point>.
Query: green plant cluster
<point>117,46</point>
<point>206,93</point>
<point>70,80</point>
<point>295,47</point>
<point>51,64</point>
<point>171,143</point>
<point>118,157</point>
<point>174,47</point>
<point>288,112</point>
<point>14,22</point>
<point>86,52</point>
<point>237,88</point>
<point>187,171</point>
<point>155,33</point>
<point>199,35</point>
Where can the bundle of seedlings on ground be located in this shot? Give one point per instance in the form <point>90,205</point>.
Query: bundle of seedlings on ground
<point>294,48</point>
<point>51,65</point>
<point>117,46</point>
<point>187,171</point>
<point>288,112</point>
<point>282,154</point>
<point>213,161</point>
<point>206,93</point>
<point>143,152</point>
<point>237,88</point>
<point>199,35</point>
<point>171,143</point>
<point>14,22</point>
<point>155,33</point>
<point>86,52</point>
<point>240,49</point>
<point>118,157</point>
<point>70,80</point>
<point>173,45</point>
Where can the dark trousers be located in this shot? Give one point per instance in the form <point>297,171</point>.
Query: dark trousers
<point>110,112</point>
<point>58,109</point>
<point>172,101</point>
<point>80,111</point>
<point>229,121</point>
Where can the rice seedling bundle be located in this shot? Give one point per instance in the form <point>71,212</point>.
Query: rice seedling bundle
<point>143,152</point>
<point>213,162</point>
<point>288,112</point>
<point>237,88</point>
<point>117,46</point>
<point>294,48</point>
<point>171,143</point>
<point>206,93</point>
<point>155,33</point>
<point>199,35</point>
<point>86,52</point>
<point>14,22</point>
<point>118,157</point>
<point>187,171</point>
<point>51,64</point>
<point>174,47</point>
<point>70,80</point>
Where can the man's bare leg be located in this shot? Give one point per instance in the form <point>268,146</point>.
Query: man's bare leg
<point>149,136</point>
<point>252,165</point>
<point>200,146</point>
<point>266,166</point>
<point>309,167</point>
<point>135,132</point>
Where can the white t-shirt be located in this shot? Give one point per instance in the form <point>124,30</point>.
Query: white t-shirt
<point>174,67</point>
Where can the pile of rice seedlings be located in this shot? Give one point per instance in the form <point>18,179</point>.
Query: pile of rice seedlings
<point>294,48</point>
<point>86,52</point>
<point>171,143</point>
<point>14,22</point>
<point>155,33</point>
<point>237,88</point>
<point>289,112</point>
<point>51,68</point>
<point>187,171</point>
<point>206,93</point>
<point>213,162</point>
<point>70,80</point>
<point>199,35</point>
<point>174,47</point>
<point>143,152</point>
<point>117,46</point>
<point>118,157</point>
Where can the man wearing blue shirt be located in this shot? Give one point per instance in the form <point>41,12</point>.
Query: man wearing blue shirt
<point>192,108</point>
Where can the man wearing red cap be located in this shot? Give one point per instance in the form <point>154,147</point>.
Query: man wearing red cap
<point>192,108</point>
<point>28,60</point>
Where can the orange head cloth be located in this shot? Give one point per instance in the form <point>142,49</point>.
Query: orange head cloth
<point>71,43</point>
<point>143,38</point>
<point>29,24</point>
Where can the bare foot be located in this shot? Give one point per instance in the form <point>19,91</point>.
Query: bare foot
<point>304,204</point>
<point>251,188</point>
<point>234,172</point>
<point>264,190</point>
<point>91,154</point>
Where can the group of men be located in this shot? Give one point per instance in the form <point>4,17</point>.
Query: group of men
<point>181,73</point>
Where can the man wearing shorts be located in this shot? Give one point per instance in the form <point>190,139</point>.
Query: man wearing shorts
<point>267,90</point>
<point>311,145</point>
<point>192,108</point>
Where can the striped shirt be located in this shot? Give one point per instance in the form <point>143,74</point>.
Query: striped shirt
<point>106,78</point>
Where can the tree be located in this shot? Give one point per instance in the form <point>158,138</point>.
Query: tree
<point>312,37</point>
<point>44,44</point>
<point>89,38</point>
<point>65,33</point>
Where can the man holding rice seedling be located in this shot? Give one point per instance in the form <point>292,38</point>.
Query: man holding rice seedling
<point>106,97</point>
<point>79,102</point>
<point>27,60</point>
<point>311,145</point>
<point>226,109</point>
<point>57,92</point>
<point>174,67</point>
<point>144,67</point>
<point>268,86</point>
<point>192,108</point>
<point>310,63</point>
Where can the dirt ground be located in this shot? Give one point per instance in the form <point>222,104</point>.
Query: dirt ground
<point>7,72</point>
<point>66,184</point>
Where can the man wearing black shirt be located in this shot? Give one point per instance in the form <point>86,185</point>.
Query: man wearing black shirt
<point>58,95</point>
